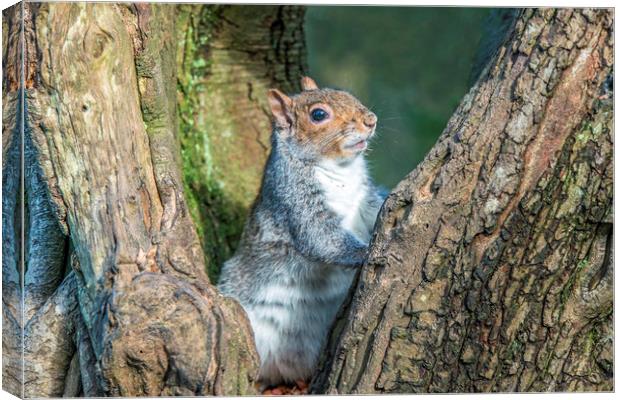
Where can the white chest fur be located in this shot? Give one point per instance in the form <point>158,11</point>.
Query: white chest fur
<point>345,189</point>
<point>291,320</point>
<point>292,313</point>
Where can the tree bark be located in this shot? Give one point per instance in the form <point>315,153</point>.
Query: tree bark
<point>491,267</point>
<point>104,199</point>
<point>227,59</point>
<point>117,301</point>
<point>12,340</point>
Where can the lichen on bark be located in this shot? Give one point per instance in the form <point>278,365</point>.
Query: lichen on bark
<point>227,57</point>
<point>490,267</point>
<point>101,118</point>
<point>217,220</point>
<point>490,262</point>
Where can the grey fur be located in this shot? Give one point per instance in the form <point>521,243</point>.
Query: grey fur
<point>295,263</point>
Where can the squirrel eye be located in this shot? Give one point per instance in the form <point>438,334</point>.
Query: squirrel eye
<point>318,114</point>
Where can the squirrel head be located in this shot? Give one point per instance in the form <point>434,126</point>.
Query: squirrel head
<point>325,122</point>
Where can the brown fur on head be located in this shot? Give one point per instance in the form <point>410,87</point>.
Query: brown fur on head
<point>343,131</point>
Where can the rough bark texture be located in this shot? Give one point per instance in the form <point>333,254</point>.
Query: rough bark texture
<point>227,59</point>
<point>12,343</point>
<point>491,264</point>
<point>136,313</point>
<point>490,267</point>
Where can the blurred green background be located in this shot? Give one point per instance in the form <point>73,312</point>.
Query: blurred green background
<point>410,65</point>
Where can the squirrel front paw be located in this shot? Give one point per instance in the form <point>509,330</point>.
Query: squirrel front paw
<point>355,257</point>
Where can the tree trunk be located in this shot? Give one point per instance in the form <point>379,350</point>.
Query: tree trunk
<point>491,264</point>
<point>117,301</point>
<point>12,341</point>
<point>227,59</point>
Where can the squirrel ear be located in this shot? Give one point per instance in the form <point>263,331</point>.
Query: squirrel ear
<point>308,83</point>
<point>281,108</point>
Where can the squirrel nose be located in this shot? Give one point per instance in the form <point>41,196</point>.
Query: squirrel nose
<point>370,120</point>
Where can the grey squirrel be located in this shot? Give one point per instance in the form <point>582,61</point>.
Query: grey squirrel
<point>308,229</point>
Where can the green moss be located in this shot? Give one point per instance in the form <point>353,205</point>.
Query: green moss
<point>514,349</point>
<point>218,217</point>
<point>591,129</point>
<point>592,337</point>
<point>568,287</point>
